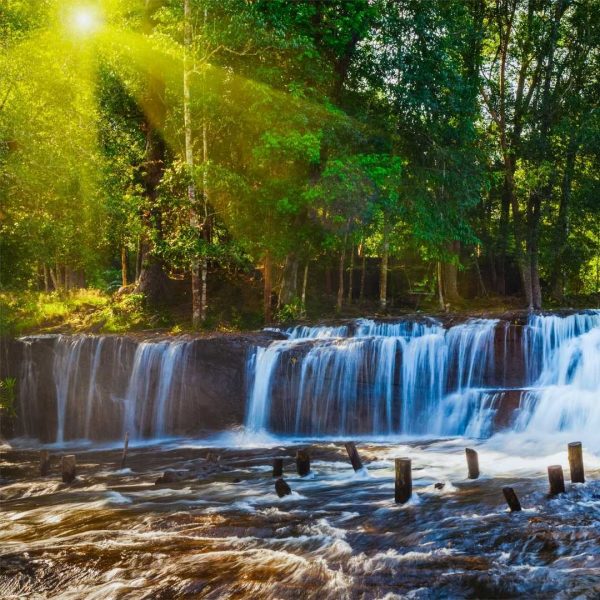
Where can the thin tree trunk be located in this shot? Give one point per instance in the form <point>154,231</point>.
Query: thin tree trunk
<point>450,276</point>
<point>562,233</point>
<point>207,225</point>
<point>267,287</point>
<point>46,281</point>
<point>123,266</point>
<point>340,294</point>
<point>383,274</point>
<point>304,284</point>
<point>328,282</point>
<point>55,278</point>
<point>440,287</point>
<point>363,276</point>
<point>138,260</point>
<point>189,161</point>
<point>351,275</point>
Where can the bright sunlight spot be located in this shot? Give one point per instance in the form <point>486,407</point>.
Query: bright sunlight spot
<point>86,20</point>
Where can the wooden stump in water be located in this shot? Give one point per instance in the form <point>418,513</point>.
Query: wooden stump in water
<point>354,456</point>
<point>472,463</point>
<point>556,479</point>
<point>403,486</point>
<point>576,462</point>
<point>68,466</point>
<point>277,467</point>
<point>125,448</point>
<point>44,463</point>
<point>302,463</point>
<point>511,499</point>
<point>282,488</point>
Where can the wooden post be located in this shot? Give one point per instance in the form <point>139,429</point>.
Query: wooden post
<point>511,499</point>
<point>277,467</point>
<point>403,487</point>
<point>303,463</point>
<point>44,463</point>
<point>557,480</point>
<point>576,462</point>
<point>472,463</point>
<point>282,488</point>
<point>125,448</point>
<point>68,464</point>
<point>354,456</point>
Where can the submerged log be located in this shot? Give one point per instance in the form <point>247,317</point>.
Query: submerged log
<point>44,463</point>
<point>303,463</point>
<point>472,463</point>
<point>354,456</point>
<point>125,448</point>
<point>511,499</point>
<point>282,488</point>
<point>277,467</point>
<point>403,484</point>
<point>68,467</point>
<point>556,479</point>
<point>576,462</point>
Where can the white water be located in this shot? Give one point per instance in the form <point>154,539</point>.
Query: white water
<point>417,378</point>
<point>365,378</point>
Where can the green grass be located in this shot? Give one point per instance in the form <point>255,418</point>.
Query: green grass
<point>80,310</point>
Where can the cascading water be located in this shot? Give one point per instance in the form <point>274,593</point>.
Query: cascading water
<point>412,376</point>
<point>566,396</point>
<point>419,378</point>
<point>385,378</point>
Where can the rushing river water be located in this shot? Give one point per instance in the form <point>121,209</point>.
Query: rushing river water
<point>114,534</point>
<point>518,393</point>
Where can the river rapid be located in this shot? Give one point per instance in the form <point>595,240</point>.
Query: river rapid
<point>517,389</point>
<point>115,534</point>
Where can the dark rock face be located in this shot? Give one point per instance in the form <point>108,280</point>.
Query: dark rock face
<point>98,387</point>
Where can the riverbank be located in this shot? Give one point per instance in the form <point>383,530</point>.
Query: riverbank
<point>94,311</point>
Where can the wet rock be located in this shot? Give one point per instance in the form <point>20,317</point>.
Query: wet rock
<point>174,476</point>
<point>282,488</point>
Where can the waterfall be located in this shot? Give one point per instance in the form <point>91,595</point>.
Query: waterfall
<point>417,377</point>
<point>535,375</point>
<point>566,396</point>
<point>385,378</point>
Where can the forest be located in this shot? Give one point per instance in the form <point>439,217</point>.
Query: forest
<point>252,161</point>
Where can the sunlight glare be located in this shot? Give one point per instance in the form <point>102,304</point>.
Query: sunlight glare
<point>85,20</point>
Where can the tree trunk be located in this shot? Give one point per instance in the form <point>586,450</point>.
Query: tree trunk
<point>138,260</point>
<point>207,225</point>
<point>123,266</point>
<point>363,276</point>
<point>267,287</point>
<point>328,282</point>
<point>153,280</point>
<point>340,294</point>
<point>440,286</point>
<point>289,281</point>
<point>189,161</point>
<point>46,281</point>
<point>304,284</point>
<point>450,276</point>
<point>351,275</point>
<point>562,226</point>
<point>383,273</point>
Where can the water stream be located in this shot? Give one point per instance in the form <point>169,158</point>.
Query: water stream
<point>517,392</point>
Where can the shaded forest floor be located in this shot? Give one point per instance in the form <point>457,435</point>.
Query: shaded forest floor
<point>94,311</point>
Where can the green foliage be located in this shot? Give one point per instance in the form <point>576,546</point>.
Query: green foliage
<point>291,312</point>
<point>315,128</point>
<point>8,396</point>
